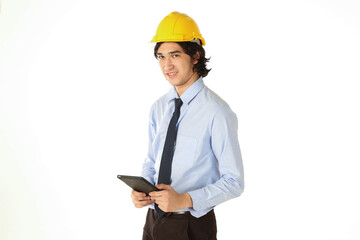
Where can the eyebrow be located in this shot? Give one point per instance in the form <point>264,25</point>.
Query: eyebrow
<point>169,53</point>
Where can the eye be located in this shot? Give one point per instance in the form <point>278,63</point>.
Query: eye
<point>159,57</point>
<point>175,55</point>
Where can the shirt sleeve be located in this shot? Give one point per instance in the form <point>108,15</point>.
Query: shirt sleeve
<point>148,169</point>
<point>226,149</point>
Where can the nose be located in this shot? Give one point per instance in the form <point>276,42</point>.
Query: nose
<point>168,65</point>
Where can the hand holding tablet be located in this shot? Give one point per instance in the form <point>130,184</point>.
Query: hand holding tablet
<point>139,184</point>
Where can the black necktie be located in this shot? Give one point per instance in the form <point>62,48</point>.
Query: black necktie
<point>168,152</point>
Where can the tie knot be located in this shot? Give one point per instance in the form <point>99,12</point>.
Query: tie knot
<point>178,103</point>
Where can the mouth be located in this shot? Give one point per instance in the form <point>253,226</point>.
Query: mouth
<point>171,74</point>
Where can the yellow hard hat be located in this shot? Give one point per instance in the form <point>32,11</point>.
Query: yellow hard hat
<point>177,27</point>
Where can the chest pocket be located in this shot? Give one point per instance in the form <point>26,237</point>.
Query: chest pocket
<point>185,150</point>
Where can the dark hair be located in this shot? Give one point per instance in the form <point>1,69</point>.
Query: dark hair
<point>191,48</point>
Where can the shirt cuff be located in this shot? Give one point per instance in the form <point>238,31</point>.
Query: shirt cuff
<point>198,200</point>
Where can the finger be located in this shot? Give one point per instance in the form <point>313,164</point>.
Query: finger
<point>147,198</point>
<point>155,194</point>
<point>137,194</point>
<point>163,187</point>
<point>140,204</point>
<point>159,199</point>
<point>139,198</point>
<point>143,200</point>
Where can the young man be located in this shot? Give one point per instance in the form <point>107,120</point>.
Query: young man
<point>194,155</point>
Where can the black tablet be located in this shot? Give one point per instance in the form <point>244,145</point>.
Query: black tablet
<point>139,184</point>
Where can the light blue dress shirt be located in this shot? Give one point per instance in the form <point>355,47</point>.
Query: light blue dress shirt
<point>207,160</point>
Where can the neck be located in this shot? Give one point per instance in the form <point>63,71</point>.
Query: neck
<point>182,88</point>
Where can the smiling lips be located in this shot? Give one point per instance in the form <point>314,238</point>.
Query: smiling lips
<point>171,74</point>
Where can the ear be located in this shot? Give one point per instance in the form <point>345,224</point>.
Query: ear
<point>196,57</point>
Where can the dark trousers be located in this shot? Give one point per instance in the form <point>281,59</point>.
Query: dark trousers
<point>179,227</point>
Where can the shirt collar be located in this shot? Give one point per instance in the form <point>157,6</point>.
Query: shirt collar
<point>189,94</point>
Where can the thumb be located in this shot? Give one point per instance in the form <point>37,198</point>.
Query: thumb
<point>163,187</point>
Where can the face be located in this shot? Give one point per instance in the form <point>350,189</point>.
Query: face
<point>177,66</point>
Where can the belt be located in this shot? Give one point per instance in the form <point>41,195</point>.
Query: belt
<point>173,213</point>
<point>177,213</point>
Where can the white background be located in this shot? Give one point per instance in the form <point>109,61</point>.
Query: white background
<point>78,77</point>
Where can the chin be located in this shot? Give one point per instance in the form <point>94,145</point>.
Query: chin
<point>173,82</point>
